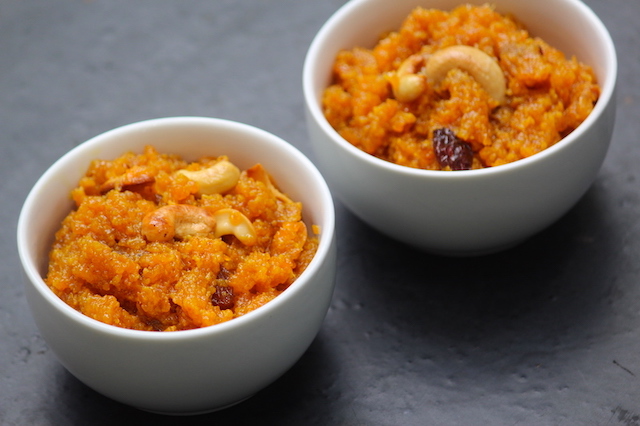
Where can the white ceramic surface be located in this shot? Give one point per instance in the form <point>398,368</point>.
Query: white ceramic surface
<point>463,212</point>
<point>191,371</point>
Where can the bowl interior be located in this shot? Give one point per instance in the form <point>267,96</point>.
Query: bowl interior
<point>361,22</point>
<point>191,137</point>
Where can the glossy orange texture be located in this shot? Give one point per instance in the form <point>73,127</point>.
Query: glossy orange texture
<point>548,94</point>
<point>101,264</point>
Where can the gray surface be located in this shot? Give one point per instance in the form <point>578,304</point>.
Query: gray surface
<point>547,333</point>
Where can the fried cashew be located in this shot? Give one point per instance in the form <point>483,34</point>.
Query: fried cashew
<point>414,73</point>
<point>482,67</point>
<point>258,173</point>
<point>232,222</point>
<point>409,83</point>
<point>177,221</point>
<point>219,178</point>
<point>180,221</point>
<point>137,175</point>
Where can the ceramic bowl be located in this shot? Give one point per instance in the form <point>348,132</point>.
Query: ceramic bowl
<point>192,371</point>
<point>475,211</point>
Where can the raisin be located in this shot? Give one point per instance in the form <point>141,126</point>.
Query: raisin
<point>451,151</point>
<point>223,274</point>
<point>223,297</point>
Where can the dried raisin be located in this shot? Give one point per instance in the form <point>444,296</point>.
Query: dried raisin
<point>451,151</point>
<point>223,297</point>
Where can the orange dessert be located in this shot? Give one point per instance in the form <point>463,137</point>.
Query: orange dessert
<point>157,243</point>
<point>458,90</point>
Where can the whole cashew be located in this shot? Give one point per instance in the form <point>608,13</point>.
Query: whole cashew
<point>409,83</point>
<point>137,175</point>
<point>259,174</point>
<point>232,222</point>
<point>184,220</point>
<point>414,73</point>
<point>219,178</point>
<point>177,221</point>
<point>482,67</point>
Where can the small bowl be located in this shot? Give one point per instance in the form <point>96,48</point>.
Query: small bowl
<point>192,371</point>
<point>475,211</point>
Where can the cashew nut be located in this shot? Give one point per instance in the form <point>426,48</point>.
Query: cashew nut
<point>259,174</point>
<point>219,178</point>
<point>177,221</point>
<point>184,220</point>
<point>136,175</point>
<point>413,74</point>
<point>482,67</point>
<point>232,222</point>
<point>409,83</point>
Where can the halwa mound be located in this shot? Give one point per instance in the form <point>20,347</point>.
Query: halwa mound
<point>157,243</point>
<point>472,79</point>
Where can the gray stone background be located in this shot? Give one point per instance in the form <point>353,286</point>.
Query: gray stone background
<point>547,333</point>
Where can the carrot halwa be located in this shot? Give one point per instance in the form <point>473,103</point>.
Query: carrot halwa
<point>157,243</point>
<point>544,96</point>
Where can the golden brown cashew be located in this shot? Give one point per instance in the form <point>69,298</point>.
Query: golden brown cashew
<point>259,174</point>
<point>409,83</point>
<point>417,70</point>
<point>177,221</point>
<point>137,175</point>
<point>482,67</point>
<point>219,178</point>
<point>232,222</point>
<point>184,220</point>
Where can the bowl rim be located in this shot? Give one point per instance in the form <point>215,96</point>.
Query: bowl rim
<point>312,100</point>
<point>30,269</point>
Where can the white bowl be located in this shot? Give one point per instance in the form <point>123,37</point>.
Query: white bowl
<point>475,211</point>
<point>192,371</point>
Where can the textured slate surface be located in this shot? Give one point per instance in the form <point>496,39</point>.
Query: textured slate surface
<point>547,333</point>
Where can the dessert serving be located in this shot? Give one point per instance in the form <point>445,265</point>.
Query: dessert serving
<point>178,223</point>
<point>158,243</point>
<point>463,89</point>
<point>396,92</point>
